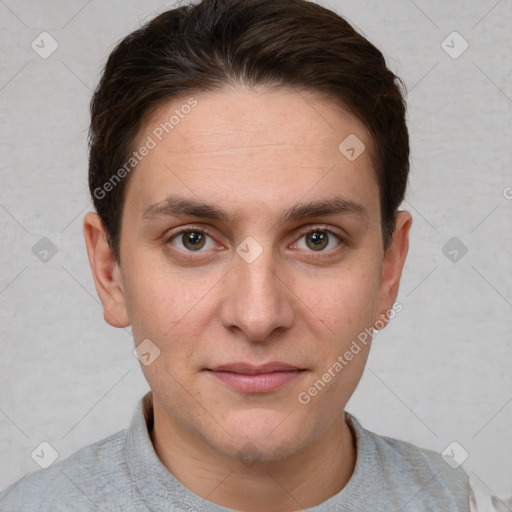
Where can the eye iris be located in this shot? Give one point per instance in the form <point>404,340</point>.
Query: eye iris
<point>194,238</point>
<point>318,239</point>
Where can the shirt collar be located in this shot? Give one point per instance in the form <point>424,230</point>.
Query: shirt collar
<point>161,490</point>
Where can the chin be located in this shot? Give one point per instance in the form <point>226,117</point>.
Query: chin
<point>260,437</point>
<point>251,451</point>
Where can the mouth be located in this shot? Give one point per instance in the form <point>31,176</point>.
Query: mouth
<point>250,378</point>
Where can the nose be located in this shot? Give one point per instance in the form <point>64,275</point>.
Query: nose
<point>258,299</point>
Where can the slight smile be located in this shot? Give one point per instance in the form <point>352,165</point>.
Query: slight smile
<point>256,379</point>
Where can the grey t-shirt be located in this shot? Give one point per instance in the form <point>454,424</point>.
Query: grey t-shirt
<point>123,473</point>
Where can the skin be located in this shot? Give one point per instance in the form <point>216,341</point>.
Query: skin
<point>253,154</point>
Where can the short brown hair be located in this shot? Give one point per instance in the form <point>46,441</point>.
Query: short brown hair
<point>269,43</point>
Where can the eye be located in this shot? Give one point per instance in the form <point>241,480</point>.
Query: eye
<point>318,240</point>
<point>196,240</point>
<point>191,240</point>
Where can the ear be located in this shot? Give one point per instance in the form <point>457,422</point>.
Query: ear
<point>392,265</point>
<point>106,272</point>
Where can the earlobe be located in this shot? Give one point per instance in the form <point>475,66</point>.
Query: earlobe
<point>392,265</point>
<point>105,270</point>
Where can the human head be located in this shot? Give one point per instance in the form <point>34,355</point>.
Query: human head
<point>245,154</point>
<point>217,43</point>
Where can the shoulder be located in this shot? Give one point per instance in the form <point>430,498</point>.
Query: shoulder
<point>74,483</point>
<point>419,463</point>
<point>418,473</point>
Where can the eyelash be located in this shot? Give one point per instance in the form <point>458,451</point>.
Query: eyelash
<point>203,231</point>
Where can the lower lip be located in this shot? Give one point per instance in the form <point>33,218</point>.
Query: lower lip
<point>257,383</point>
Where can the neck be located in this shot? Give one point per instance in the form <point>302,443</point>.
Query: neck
<point>300,481</point>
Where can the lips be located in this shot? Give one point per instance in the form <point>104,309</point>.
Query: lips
<point>250,378</point>
<point>250,369</point>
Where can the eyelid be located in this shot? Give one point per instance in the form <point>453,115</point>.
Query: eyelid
<point>321,227</point>
<point>318,255</point>
<point>186,229</point>
<point>306,230</point>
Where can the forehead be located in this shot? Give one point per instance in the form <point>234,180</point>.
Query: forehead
<point>253,149</point>
<point>234,116</point>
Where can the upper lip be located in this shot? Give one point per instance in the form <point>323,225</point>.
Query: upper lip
<point>250,369</point>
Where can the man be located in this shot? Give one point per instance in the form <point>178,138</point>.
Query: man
<point>247,162</point>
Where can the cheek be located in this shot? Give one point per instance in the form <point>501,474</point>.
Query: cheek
<point>344,309</point>
<point>343,302</point>
<point>170,313</point>
<point>160,295</point>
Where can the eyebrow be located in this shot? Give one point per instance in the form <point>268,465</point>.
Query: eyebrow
<point>176,206</point>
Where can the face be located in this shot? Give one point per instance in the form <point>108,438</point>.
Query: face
<point>252,258</point>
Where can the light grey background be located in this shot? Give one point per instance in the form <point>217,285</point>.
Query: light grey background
<point>440,372</point>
